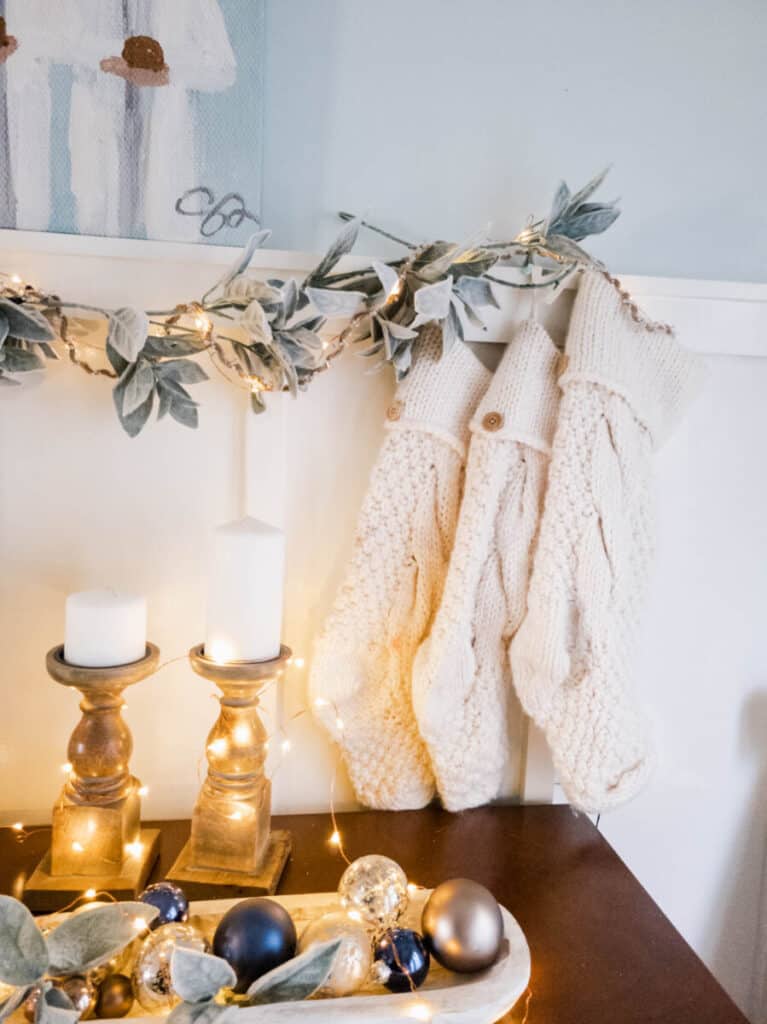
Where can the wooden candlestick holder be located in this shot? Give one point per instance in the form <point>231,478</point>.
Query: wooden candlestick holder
<point>97,840</point>
<point>232,848</point>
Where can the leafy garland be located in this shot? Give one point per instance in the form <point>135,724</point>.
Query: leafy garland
<point>265,335</point>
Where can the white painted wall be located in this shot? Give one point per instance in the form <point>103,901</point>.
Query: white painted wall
<point>82,505</point>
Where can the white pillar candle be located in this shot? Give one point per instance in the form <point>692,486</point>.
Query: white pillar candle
<point>245,592</point>
<point>103,628</point>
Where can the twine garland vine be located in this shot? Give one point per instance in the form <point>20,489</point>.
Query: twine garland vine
<point>265,335</point>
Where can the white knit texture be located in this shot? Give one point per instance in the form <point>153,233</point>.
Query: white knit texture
<point>461,676</point>
<point>361,671</point>
<point>571,659</point>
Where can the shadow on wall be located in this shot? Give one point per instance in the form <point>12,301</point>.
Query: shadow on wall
<point>741,913</point>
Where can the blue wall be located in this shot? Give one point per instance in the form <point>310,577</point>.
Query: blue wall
<point>437,118</point>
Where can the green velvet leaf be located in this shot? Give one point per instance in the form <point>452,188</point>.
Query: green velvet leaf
<point>23,956</point>
<point>297,979</point>
<point>198,977</point>
<point>128,330</point>
<point>26,322</point>
<point>85,941</point>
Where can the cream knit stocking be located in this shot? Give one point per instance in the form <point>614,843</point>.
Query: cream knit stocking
<point>361,673</point>
<point>623,390</point>
<point>461,678</point>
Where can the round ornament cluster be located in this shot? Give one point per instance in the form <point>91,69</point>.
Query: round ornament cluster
<point>461,929</point>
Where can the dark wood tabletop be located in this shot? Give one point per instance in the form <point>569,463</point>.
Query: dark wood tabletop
<point>602,951</point>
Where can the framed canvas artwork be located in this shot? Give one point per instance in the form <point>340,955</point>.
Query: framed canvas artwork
<point>132,118</point>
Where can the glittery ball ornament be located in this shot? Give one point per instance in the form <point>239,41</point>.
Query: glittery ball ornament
<point>81,992</point>
<point>402,960</point>
<point>463,926</point>
<point>354,958</point>
<point>171,902</point>
<point>151,972</point>
<point>376,888</point>
<point>115,996</point>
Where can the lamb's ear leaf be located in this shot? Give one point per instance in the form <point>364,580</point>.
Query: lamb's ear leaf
<point>85,941</point>
<point>55,1007</point>
<point>589,222</point>
<point>560,201</point>
<point>14,1001</point>
<point>26,322</point>
<point>588,189</point>
<point>127,333</point>
<point>242,262</point>
<point>335,302</point>
<point>23,955</point>
<point>343,244</point>
<point>297,979</point>
<point>197,977</point>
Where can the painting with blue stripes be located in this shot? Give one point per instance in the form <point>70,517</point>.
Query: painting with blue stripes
<point>132,118</point>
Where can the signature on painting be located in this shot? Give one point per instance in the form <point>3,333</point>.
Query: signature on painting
<point>227,212</point>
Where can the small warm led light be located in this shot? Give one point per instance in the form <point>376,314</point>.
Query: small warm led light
<point>17,826</point>
<point>218,746</point>
<point>202,323</point>
<point>418,1011</point>
<point>90,894</point>
<point>354,915</point>
<point>299,662</point>
<point>320,702</point>
<point>285,746</point>
<point>15,279</point>
<point>236,816</point>
<point>143,790</point>
<point>325,346</point>
<point>77,847</point>
<point>340,724</point>
<point>335,839</point>
<point>67,768</point>
<point>134,849</point>
<point>139,924</point>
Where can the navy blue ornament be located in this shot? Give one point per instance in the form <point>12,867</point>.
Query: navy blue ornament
<point>404,959</point>
<point>255,936</point>
<point>169,900</point>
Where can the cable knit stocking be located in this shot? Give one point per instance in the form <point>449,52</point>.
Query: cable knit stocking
<point>361,673</point>
<point>461,679</point>
<point>624,387</point>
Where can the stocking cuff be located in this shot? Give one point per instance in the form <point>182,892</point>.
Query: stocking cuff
<point>648,367</point>
<point>440,393</point>
<point>522,400</point>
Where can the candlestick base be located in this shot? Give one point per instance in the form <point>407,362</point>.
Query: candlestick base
<point>200,882</point>
<point>231,847</point>
<point>97,841</point>
<point>47,892</point>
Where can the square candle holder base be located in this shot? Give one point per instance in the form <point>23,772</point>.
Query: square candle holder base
<point>47,892</point>
<point>198,883</point>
